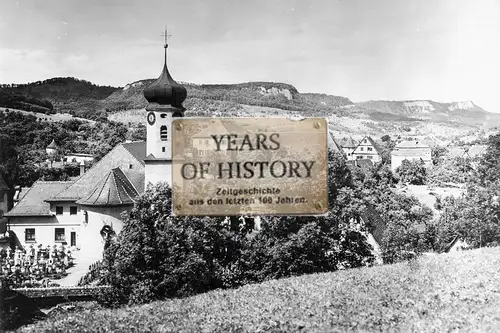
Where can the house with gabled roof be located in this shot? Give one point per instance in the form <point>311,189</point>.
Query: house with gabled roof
<point>348,145</point>
<point>476,151</point>
<point>367,148</point>
<point>34,222</point>
<point>410,150</point>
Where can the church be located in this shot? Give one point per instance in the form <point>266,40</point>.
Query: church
<point>75,213</point>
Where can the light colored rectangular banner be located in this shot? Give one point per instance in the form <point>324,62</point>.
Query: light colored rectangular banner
<point>249,166</point>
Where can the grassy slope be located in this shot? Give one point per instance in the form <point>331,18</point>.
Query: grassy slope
<point>442,293</point>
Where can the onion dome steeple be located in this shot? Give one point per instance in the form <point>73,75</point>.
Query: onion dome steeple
<point>165,90</point>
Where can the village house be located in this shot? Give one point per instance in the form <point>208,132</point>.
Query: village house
<point>367,148</point>
<point>410,150</point>
<point>53,149</point>
<point>35,221</point>
<point>348,145</point>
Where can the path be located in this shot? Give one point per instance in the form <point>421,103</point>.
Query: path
<point>81,267</point>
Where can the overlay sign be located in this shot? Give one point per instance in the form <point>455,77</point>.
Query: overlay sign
<point>249,166</point>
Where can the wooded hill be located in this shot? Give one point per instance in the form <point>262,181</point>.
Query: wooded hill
<point>64,94</point>
<point>84,99</point>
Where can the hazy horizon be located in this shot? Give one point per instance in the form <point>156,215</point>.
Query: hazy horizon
<point>444,50</point>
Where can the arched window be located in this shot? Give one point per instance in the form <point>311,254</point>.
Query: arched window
<point>85,217</point>
<point>163,133</point>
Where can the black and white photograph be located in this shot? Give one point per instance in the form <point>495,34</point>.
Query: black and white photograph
<point>249,166</point>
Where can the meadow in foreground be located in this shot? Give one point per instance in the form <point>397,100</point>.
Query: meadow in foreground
<point>448,292</point>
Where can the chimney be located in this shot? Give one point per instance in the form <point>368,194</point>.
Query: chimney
<point>82,168</point>
<point>17,193</point>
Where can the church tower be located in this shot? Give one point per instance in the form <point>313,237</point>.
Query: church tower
<point>165,97</point>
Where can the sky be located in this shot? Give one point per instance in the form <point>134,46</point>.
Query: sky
<point>442,50</point>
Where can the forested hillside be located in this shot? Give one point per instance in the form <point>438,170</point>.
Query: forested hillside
<point>65,94</point>
<point>24,139</point>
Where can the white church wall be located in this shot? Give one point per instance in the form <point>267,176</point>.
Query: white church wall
<point>91,242</point>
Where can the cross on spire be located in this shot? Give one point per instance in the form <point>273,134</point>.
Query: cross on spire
<point>166,35</point>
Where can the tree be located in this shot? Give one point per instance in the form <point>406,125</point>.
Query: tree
<point>412,172</point>
<point>437,154</point>
<point>387,147</point>
<point>488,170</point>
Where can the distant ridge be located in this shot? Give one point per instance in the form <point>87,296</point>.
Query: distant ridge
<point>85,99</point>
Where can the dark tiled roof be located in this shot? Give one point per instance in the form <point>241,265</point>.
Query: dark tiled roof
<point>348,143</point>
<point>120,156</point>
<point>333,144</point>
<point>136,149</point>
<point>374,144</point>
<point>114,189</point>
<point>33,204</point>
<point>3,186</point>
<point>52,144</point>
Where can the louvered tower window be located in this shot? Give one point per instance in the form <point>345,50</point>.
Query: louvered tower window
<point>164,133</point>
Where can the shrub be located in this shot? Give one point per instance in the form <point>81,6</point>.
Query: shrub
<point>412,172</point>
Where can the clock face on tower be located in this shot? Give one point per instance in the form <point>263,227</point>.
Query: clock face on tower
<point>151,118</point>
